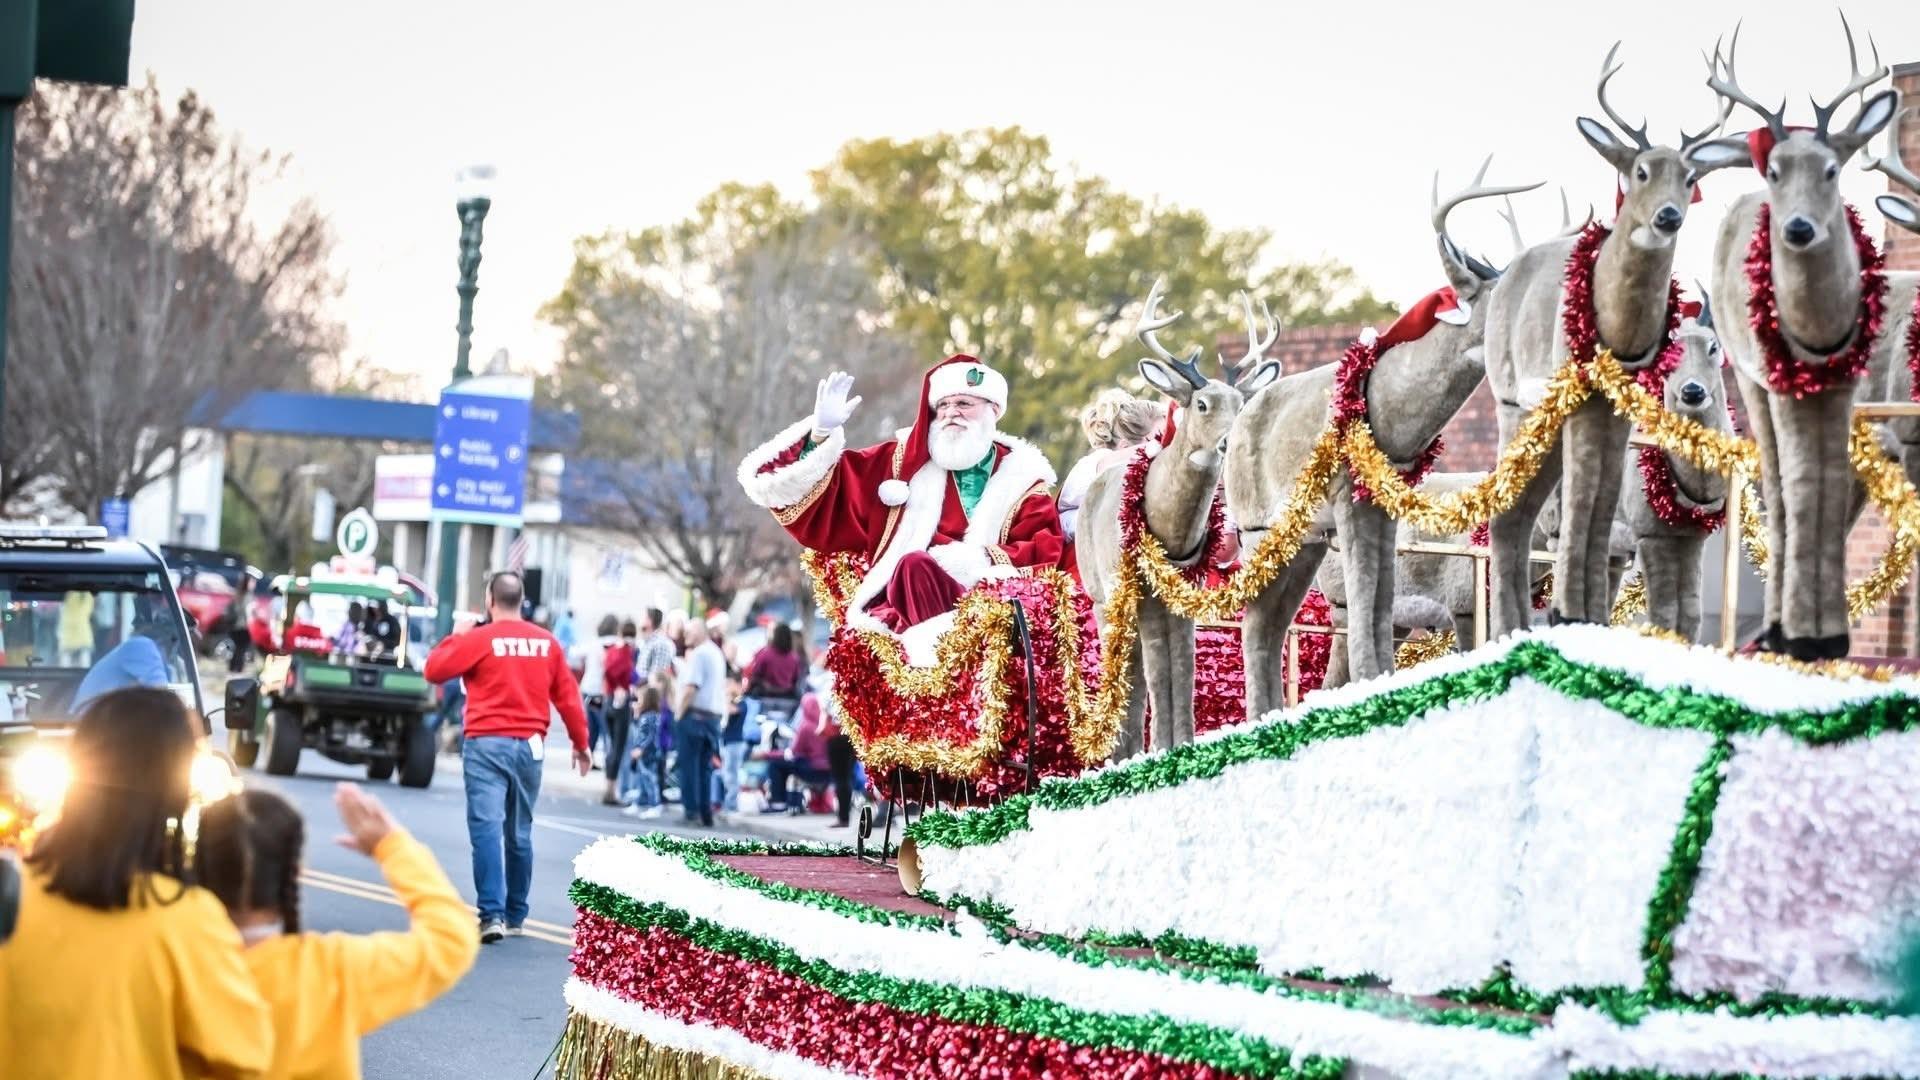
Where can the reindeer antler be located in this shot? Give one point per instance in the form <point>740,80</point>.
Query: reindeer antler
<point>1475,190</point>
<point>1608,69</point>
<point>1567,227</point>
<point>1151,321</point>
<point>1823,114</point>
<point>1705,318</point>
<point>1513,224</point>
<point>1257,346</point>
<point>1728,87</point>
<point>1898,209</point>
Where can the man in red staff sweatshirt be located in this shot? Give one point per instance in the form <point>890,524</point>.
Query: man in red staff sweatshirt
<point>515,673</point>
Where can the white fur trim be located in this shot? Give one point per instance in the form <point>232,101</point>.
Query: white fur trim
<point>966,563</point>
<point>787,485</point>
<point>950,379</point>
<point>1459,315</point>
<point>893,492</point>
<point>1022,468</point>
<point>922,640</point>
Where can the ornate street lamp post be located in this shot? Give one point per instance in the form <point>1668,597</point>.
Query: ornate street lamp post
<point>472,206</point>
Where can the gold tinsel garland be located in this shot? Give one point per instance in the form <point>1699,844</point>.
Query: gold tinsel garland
<point>1431,645</point>
<point>1631,601</point>
<point>592,1050</point>
<point>1888,489</point>
<point>980,643</point>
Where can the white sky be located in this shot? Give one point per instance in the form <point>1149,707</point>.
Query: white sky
<point>1322,122</point>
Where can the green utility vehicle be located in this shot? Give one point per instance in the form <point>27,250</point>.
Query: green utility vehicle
<point>341,687</point>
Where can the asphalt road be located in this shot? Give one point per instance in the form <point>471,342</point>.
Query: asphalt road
<point>504,1018</point>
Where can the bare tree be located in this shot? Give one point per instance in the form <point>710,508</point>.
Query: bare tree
<point>151,288</point>
<point>688,346</point>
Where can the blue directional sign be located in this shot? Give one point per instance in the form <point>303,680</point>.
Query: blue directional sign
<point>480,458</point>
<point>113,516</point>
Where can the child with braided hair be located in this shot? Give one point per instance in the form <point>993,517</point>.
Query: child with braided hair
<point>327,990</point>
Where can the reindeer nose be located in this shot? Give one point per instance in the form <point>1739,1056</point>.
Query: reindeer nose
<point>1692,394</point>
<point>1668,219</point>
<point>1799,232</point>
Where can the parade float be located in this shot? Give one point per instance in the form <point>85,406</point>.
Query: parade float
<point>1573,851</point>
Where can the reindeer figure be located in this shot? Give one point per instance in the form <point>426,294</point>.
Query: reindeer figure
<point>1811,497</point>
<point>1671,549</point>
<point>1180,485</point>
<point>1526,342</point>
<point>1416,387</point>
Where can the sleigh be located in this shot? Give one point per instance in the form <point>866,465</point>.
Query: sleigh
<point>977,704</point>
<point>984,702</point>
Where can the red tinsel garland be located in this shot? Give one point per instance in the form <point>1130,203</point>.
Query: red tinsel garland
<point>1133,519</point>
<point>953,718</point>
<point>1785,375</point>
<point>1913,349</point>
<point>1580,323</point>
<point>668,974</point>
<point>1350,403</point>
<point>1656,477</point>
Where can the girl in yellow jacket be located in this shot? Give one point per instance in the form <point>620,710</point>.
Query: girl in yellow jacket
<point>118,966</point>
<point>328,990</point>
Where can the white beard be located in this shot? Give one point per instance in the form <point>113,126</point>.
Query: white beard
<point>961,448</point>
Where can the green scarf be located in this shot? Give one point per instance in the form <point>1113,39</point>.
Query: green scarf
<point>971,482</point>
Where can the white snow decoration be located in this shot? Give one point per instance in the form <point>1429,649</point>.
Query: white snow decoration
<point>1812,874</point>
<point>1713,1043</point>
<point>1606,798</point>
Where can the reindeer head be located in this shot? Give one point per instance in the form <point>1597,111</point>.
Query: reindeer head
<point>1469,276</point>
<point>1803,167</point>
<point>1658,180</point>
<point>1211,404</point>
<point>1696,388</point>
<point>1898,208</point>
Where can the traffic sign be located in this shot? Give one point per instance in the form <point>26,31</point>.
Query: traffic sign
<point>114,514</point>
<point>480,457</point>
<point>359,535</point>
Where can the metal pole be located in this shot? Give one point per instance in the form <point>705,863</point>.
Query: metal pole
<point>1479,598</point>
<point>6,241</point>
<point>1730,564</point>
<point>473,213</point>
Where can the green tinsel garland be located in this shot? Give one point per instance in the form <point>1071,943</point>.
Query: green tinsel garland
<point>1220,1049</point>
<point>1674,890</point>
<point>1673,708</point>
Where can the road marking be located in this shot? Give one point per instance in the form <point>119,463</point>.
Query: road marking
<point>549,823</point>
<point>378,893</point>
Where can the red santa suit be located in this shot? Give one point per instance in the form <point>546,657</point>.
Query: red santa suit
<point>893,504</point>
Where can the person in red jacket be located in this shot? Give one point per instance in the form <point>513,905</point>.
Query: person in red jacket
<point>515,675</point>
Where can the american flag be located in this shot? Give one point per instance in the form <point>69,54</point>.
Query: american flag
<point>517,553</point>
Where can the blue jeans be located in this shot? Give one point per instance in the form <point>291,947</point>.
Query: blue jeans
<point>502,782</point>
<point>639,782</point>
<point>595,707</point>
<point>726,788</point>
<point>696,738</point>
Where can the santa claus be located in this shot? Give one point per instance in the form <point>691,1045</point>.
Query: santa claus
<point>945,504</point>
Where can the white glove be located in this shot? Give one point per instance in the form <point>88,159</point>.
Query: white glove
<point>831,406</point>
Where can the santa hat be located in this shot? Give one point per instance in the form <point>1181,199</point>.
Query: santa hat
<point>965,375</point>
<point>1761,141</point>
<point>957,374</point>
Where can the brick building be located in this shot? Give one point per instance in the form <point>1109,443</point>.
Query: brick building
<point>1891,631</point>
<point>1472,438</point>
